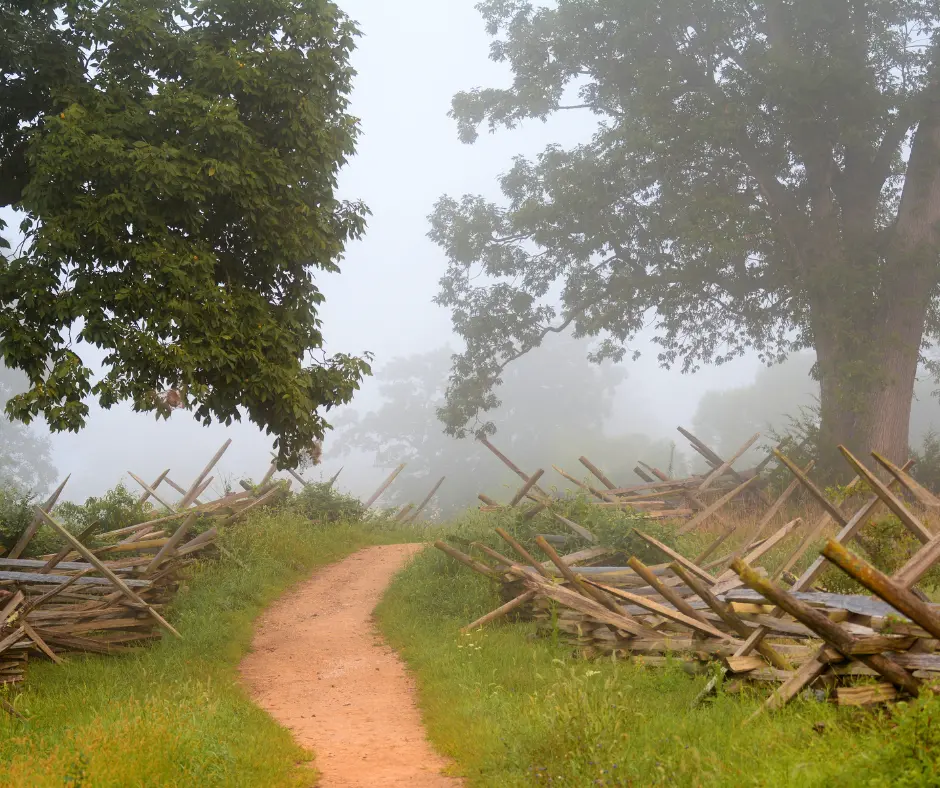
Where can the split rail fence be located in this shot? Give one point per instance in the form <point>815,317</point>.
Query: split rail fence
<point>775,629</point>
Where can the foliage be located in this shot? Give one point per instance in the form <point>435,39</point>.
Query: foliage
<point>927,462</point>
<point>321,502</point>
<point>25,455</point>
<point>911,757</point>
<point>117,508</point>
<point>515,710</point>
<point>176,167</point>
<point>747,183</point>
<point>182,697</point>
<point>888,545</point>
<point>554,405</point>
<point>17,509</point>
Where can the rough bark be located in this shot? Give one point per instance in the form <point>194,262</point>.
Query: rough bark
<point>868,337</point>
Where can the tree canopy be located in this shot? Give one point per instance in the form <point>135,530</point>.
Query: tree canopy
<point>554,407</point>
<point>175,165</point>
<point>763,176</point>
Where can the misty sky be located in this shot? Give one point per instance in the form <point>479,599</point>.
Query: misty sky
<point>413,56</point>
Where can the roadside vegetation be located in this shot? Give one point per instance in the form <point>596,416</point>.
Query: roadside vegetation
<point>174,714</point>
<point>514,709</point>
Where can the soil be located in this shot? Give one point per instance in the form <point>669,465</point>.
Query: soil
<point>321,669</point>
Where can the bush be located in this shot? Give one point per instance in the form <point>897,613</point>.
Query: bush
<point>117,508</point>
<point>321,501</point>
<point>17,509</point>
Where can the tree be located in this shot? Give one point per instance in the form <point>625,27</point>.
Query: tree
<point>764,175</point>
<point>175,164</point>
<point>554,408</point>
<point>25,456</point>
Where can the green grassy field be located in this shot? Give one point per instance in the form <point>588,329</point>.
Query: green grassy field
<point>509,708</point>
<point>174,715</point>
<point>512,710</point>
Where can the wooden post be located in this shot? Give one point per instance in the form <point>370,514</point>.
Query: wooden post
<point>702,516</point>
<point>597,473</point>
<point>912,523</point>
<point>920,563</point>
<point>722,469</point>
<point>818,494</point>
<point>831,632</point>
<point>152,492</point>
<point>92,559</point>
<point>586,487</point>
<point>426,501</point>
<point>156,483</point>
<point>254,504</point>
<point>193,491</point>
<point>924,497</point>
<point>574,581</point>
<point>466,560</point>
<point>272,469</point>
<point>181,491</point>
<point>404,512</point>
<point>384,486</point>
<point>53,562</point>
<point>500,611</point>
<point>694,623</point>
<point>526,486</point>
<point>300,479</point>
<point>768,544</point>
<point>895,593</point>
<point>30,531</point>
<point>581,531</point>
<point>335,476</point>
<point>676,557</point>
<point>487,500</point>
<point>726,614</point>
<point>525,555</point>
<point>667,593</point>
<point>845,536</point>
<point>510,464</point>
<point>643,474</point>
<point>171,544</point>
<point>494,554</point>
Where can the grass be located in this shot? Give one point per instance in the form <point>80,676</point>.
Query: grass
<point>174,714</point>
<point>513,710</point>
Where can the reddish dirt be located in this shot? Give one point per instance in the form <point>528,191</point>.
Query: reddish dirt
<point>321,669</point>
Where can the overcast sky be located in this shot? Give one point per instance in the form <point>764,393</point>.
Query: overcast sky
<point>413,56</point>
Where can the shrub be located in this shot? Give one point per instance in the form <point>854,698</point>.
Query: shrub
<point>321,501</point>
<point>17,509</point>
<point>117,508</point>
<point>886,544</point>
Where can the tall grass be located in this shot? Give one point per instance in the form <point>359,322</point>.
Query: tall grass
<point>515,710</point>
<point>174,714</point>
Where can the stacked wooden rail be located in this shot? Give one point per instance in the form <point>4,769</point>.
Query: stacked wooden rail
<point>105,593</point>
<point>696,498</point>
<point>761,628</point>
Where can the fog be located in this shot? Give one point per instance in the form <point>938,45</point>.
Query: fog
<point>413,56</point>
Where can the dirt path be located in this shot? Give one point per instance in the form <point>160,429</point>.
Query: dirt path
<point>319,667</point>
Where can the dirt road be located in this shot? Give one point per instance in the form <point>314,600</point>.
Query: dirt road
<point>319,667</point>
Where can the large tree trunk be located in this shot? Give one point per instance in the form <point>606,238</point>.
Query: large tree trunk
<point>870,303</point>
<point>867,378</point>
